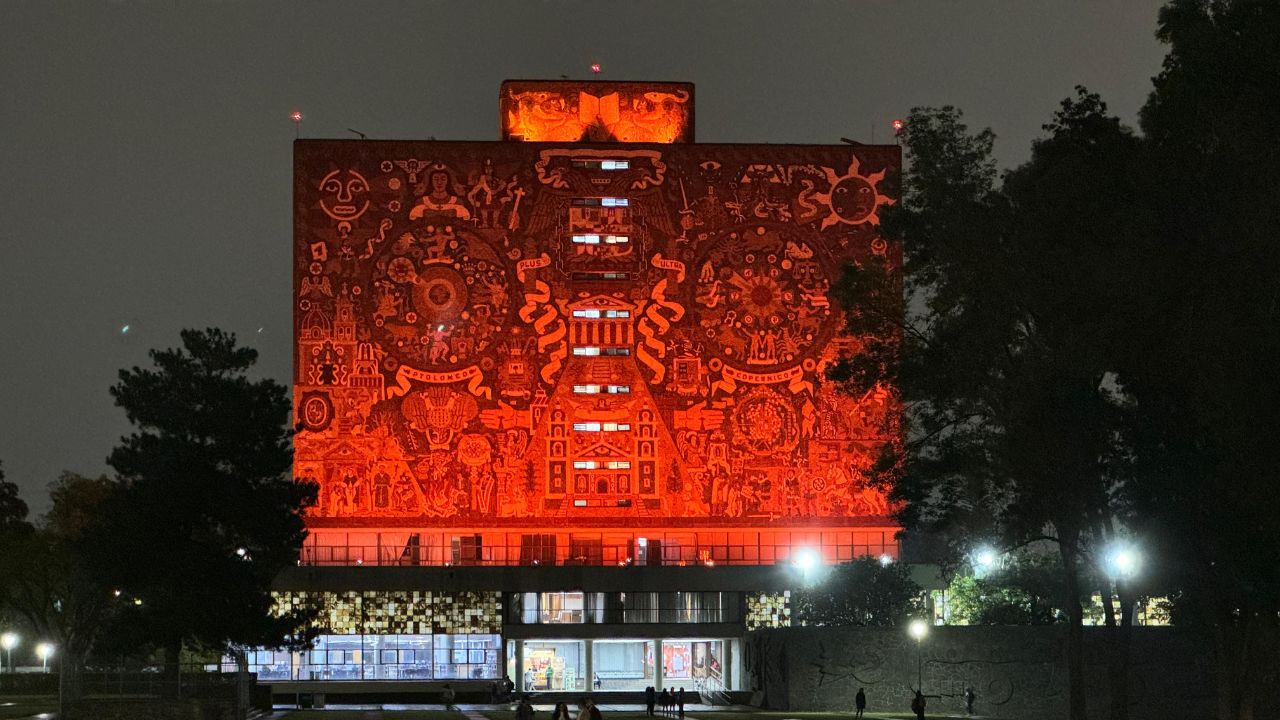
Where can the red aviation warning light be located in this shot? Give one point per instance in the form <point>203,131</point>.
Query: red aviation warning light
<point>595,68</point>
<point>898,125</point>
<point>295,116</point>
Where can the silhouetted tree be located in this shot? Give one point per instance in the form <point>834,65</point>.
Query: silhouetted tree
<point>1201,370</point>
<point>209,513</point>
<point>1006,355</point>
<point>861,592</point>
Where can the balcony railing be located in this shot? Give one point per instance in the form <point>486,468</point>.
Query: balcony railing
<point>656,552</point>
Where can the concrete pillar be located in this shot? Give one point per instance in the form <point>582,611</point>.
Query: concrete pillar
<point>588,648</point>
<point>657,664</point>
<point>519,678</point>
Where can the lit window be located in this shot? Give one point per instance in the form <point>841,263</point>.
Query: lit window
<point>618,389</point>
<point>585,465</point>
<point>586,389</point>
<point>602,276</point>
<point>595,314</point>
<point>619,464</point>
<point>588,351</point>
<point>600,202</point>
<point>601,427</point>
<point>616,351</point>
<point>586,313</point>
<point>586,239</point>
<point>603,164</point>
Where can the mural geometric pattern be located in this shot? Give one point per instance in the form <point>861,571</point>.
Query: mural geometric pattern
<point>503,334</point>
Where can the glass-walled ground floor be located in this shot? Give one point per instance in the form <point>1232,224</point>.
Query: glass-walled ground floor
<point>612,665</point>
<point>552,665</point>
<point>382,657</point>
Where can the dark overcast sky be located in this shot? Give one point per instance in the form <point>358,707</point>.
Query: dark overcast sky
<point>145,146</point>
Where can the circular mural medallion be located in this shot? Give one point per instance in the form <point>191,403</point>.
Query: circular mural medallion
<point>440,297</point>
<point>761,296</point>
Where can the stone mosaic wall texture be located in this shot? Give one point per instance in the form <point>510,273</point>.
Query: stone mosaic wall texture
<point>400,612</point>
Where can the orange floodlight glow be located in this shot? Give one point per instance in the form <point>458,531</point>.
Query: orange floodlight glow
<point>481,388</point>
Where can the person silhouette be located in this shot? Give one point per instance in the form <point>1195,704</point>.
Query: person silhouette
<point>859,703</point>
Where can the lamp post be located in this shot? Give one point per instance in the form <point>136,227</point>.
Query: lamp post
<point>44,650</point>
<point>918,629</point>
<point>9,641</point>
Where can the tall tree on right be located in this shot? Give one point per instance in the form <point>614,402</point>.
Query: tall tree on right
<point>1013,427</point>
<point>1202,371</point>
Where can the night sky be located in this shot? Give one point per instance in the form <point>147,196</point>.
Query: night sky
<point>146,146</point>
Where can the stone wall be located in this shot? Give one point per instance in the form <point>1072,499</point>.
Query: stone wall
<point>1017,672</point>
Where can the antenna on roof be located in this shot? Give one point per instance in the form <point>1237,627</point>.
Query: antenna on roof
<point>362,135</point>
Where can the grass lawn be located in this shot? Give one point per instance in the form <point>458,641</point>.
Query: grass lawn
<point>20,707</point>
<point>366,714</point>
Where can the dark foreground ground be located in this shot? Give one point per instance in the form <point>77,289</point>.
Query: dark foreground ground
<point>43,708</point>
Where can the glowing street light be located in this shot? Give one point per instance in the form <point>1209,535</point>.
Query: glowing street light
<point>1123,562</point>
<point>886,560</point>
<point>44,650</point>
<point>918,629</point>
<point>9,641</point>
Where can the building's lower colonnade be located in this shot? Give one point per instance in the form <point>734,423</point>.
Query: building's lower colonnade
<point>619,629</point>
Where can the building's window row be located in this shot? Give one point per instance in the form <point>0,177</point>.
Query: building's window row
<point>594,239</point>
<point>601,427</point>
<point>601,276</point>
<point>620,665</point>
<point>597,389</point>
<point>384,657</point>
<point>576,607</point>
<point>601,202</point>
<point>592,313</point>
<point>601,464</point>
<point>603,164</point>
<point>595,350</point>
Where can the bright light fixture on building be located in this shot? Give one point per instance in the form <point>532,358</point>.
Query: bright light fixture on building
<point>918,629</point>
<point>805,559</point>
<point>886,560</point>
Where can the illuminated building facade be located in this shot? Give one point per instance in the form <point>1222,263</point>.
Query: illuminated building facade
<point>569,387</point>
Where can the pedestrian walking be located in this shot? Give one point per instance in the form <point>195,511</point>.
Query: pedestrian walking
<point>448,696</point>
<point>650,697</point>
<point>680,702</point>
<point>917,705</point>
<point>859,703</point>
<point>969,697</point>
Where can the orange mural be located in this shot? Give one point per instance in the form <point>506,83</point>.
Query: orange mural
<point>596,111</point>
<point>515,333</point>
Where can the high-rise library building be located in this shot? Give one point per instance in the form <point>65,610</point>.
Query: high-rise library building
<point>564,395</point>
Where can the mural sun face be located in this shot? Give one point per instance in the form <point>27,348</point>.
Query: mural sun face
<point>344,195</point>
<point>853,198</point>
